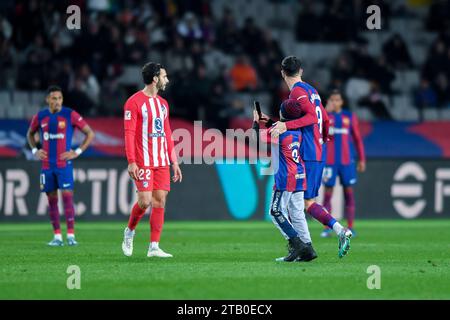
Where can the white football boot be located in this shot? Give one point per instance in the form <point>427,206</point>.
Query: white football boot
<point>127,244</point>
<point>157,252</point>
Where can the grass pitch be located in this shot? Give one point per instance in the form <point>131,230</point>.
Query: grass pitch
<point>226,260</point>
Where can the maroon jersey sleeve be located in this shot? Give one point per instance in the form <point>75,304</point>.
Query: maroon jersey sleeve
<point>77,120</point>
<point>130,120</point>
<point>34,125</point>
<point>357,138</point>
<point>307,107</point>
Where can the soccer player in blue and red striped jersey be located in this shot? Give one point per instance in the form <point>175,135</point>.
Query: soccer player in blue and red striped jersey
<point>340,156</point>
<point>314,125</point>
<point>287,206</point>
<point>56,125</point>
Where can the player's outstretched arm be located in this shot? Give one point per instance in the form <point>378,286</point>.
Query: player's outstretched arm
<point>308,119</point>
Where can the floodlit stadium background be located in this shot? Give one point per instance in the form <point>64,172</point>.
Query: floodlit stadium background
<point>220,56</point>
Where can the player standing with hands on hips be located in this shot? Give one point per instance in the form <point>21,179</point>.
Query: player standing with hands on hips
<point>55,125</point>
<point>150,152</point>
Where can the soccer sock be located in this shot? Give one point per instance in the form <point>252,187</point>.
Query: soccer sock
<point>156,224</point>
<point>349,207</point>
<point>54,213</point>
<point>321,214</point>
<point>136,214</point>
<point>327,200</point>
<point>69,211</point>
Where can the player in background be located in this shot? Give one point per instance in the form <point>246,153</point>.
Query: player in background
<point>340,158</point>
<point>314,125</point>
<point>56,125</point>
<point>150,152</point>
<point>287,206</point>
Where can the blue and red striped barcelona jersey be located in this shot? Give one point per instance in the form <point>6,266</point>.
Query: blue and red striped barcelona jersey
<point>344,129</point>
<point>290,172</point>
<point>55,131</point>
<point>312,134</point>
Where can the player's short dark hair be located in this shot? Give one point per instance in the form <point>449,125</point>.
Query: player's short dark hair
<point>53,88</point>
<point>150,70</point>
<point>291,65</point>
<point>335,92</point>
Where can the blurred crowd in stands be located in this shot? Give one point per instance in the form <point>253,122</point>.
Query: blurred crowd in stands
<point>36,49</point>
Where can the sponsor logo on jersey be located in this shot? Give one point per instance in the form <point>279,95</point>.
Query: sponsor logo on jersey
<point>157,135</point>
<point>61,124</point>
<point>299,176</point>
<point>44,125</point>
<point>52,136</point>
<point>158,124</point>
<point>339,130</point>
<point>295,144</point>
<point>127,115</point>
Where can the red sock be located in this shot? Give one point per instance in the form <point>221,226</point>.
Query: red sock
<point>327,199</point>
<point>349,207</point>
<point>69,211</point>
<point>136,214</point>
<point>156,224</point>
<point>54,213</point>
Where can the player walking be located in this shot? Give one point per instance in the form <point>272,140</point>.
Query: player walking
<point>340,159</point>
<point>314,126</point>
<point>56,125</point>
<point>150,151</point>
<point>287,206</point>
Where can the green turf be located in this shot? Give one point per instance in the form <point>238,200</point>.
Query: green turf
<point>226,260</point>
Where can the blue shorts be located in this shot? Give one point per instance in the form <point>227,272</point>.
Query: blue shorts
<point>58,178</point>
<point>346,173</point>
<point>313,171</point>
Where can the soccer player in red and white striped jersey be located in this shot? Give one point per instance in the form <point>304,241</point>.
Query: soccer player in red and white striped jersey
<point>150,152</point>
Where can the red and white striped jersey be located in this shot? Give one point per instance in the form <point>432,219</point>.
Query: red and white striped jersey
<point>148,137</point>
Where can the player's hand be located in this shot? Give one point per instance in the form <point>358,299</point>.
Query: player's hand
<point>133,171</point>
<point>41,154</point>
<point>277,129</point>
<point>68,155</point>
<point>361,166</point>
<point>264,117</point>
<point>177,175</point>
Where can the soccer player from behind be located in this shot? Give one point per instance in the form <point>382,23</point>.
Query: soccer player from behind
<point>150,152</point>
<point>287,206</point>
<point>314,126</point>
<point>340,158</point>
<point>56,125</point>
